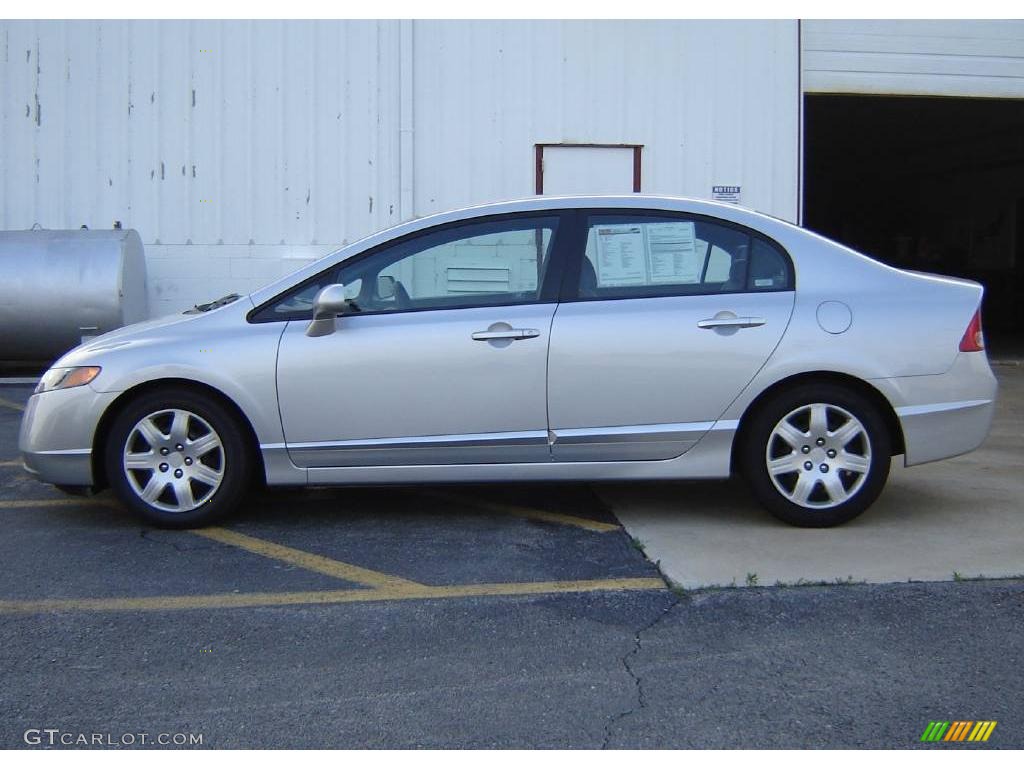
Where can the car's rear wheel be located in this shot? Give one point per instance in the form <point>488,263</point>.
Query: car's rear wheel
<point>817,455</point>
<point>178,458</point>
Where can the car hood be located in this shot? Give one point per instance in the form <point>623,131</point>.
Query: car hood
<point>146,332</point>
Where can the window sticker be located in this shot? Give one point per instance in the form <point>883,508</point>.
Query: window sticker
<point>672,253</point>
<point>654,253</point>
<point>620,255</point>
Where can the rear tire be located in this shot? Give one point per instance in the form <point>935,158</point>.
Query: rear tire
<point>817,455</point>
<point>178,458</point>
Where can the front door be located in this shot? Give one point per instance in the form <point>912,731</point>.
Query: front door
<point>442,358</point>
<point>670,317</point>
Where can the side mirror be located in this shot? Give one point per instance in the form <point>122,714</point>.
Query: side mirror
<point>385,287</point>
<point>328,304</point>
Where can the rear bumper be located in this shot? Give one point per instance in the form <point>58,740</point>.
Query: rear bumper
<point>947,414</point>
<point>57,434</point>
<point>943,430</point>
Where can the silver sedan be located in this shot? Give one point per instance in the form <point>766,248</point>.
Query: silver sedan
<point>572,338</point>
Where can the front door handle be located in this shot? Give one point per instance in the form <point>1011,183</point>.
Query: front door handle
<point>731,322</point>
<point>511,333</point>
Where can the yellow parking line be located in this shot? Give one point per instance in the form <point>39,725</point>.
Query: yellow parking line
<point>527,512</point>
<point>307,560</point>
<point>184,602</point>
<point>543,587</point>
<point>33,503</point>
<point>9,404</point>
<point>555,517</point>
<point>14,463</point>
<point>505,509</point>
<point>266,599</point>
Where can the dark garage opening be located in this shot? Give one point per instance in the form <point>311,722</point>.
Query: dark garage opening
<point>932,184</point>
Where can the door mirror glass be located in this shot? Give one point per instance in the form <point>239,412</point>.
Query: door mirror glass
<point>328,304</point>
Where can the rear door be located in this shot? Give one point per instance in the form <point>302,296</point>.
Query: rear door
<point>664,319</point>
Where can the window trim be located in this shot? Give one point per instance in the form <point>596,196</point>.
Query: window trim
<point>547,291</point>
<point>576,245</point>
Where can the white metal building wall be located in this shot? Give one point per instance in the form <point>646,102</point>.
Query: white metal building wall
<point>926,58</point>
<point>712,103</point>
<point>235,148</point>
<point>228,146</point>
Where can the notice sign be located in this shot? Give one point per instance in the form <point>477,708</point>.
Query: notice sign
<point>620,255</point>
<point>726,195</point>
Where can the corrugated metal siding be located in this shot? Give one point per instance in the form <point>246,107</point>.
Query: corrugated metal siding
<point>234,146</point>
<point>229,146</point>
<point>203,132</point>
<point>712,103</point>
<point>930,58</point>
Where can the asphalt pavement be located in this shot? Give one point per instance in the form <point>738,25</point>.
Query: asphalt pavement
<point>459,617</point>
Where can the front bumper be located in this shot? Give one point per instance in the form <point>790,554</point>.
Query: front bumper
<point>57,433</point>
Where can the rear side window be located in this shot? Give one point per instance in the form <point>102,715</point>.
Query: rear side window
<point>648,255</point>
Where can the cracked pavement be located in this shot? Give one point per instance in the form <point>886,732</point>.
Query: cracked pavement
<point>841,667</point>
<point>640,699</point>
<point>845,666</point>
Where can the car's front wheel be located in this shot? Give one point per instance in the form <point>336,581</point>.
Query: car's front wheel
<point>178,458</point>
<point>817,455</point>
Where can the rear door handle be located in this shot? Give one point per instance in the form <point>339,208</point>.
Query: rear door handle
<point>731,322</point>
<point>511,333</point>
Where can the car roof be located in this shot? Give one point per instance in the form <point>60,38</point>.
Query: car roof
<point>559,202</point>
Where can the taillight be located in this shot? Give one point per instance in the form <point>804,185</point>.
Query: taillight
<point>974,339</point>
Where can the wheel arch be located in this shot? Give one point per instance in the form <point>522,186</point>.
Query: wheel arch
<point>102,433</point>
<point>860,386</point>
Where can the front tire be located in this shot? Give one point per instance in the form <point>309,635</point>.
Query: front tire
<point>178,458</point>
<point>817,456</point>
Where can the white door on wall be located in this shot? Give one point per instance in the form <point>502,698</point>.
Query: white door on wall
<point>588,170</point>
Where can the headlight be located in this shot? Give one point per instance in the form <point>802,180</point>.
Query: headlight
<point>64,378</point>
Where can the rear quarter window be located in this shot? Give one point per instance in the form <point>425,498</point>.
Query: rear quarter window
<point>769,268</point>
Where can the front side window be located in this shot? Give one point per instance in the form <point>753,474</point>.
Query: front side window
<point>475,264</point>
<point>649,255</point>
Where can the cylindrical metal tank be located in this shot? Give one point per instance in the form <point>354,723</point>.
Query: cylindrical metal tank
<point>58,286</point>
